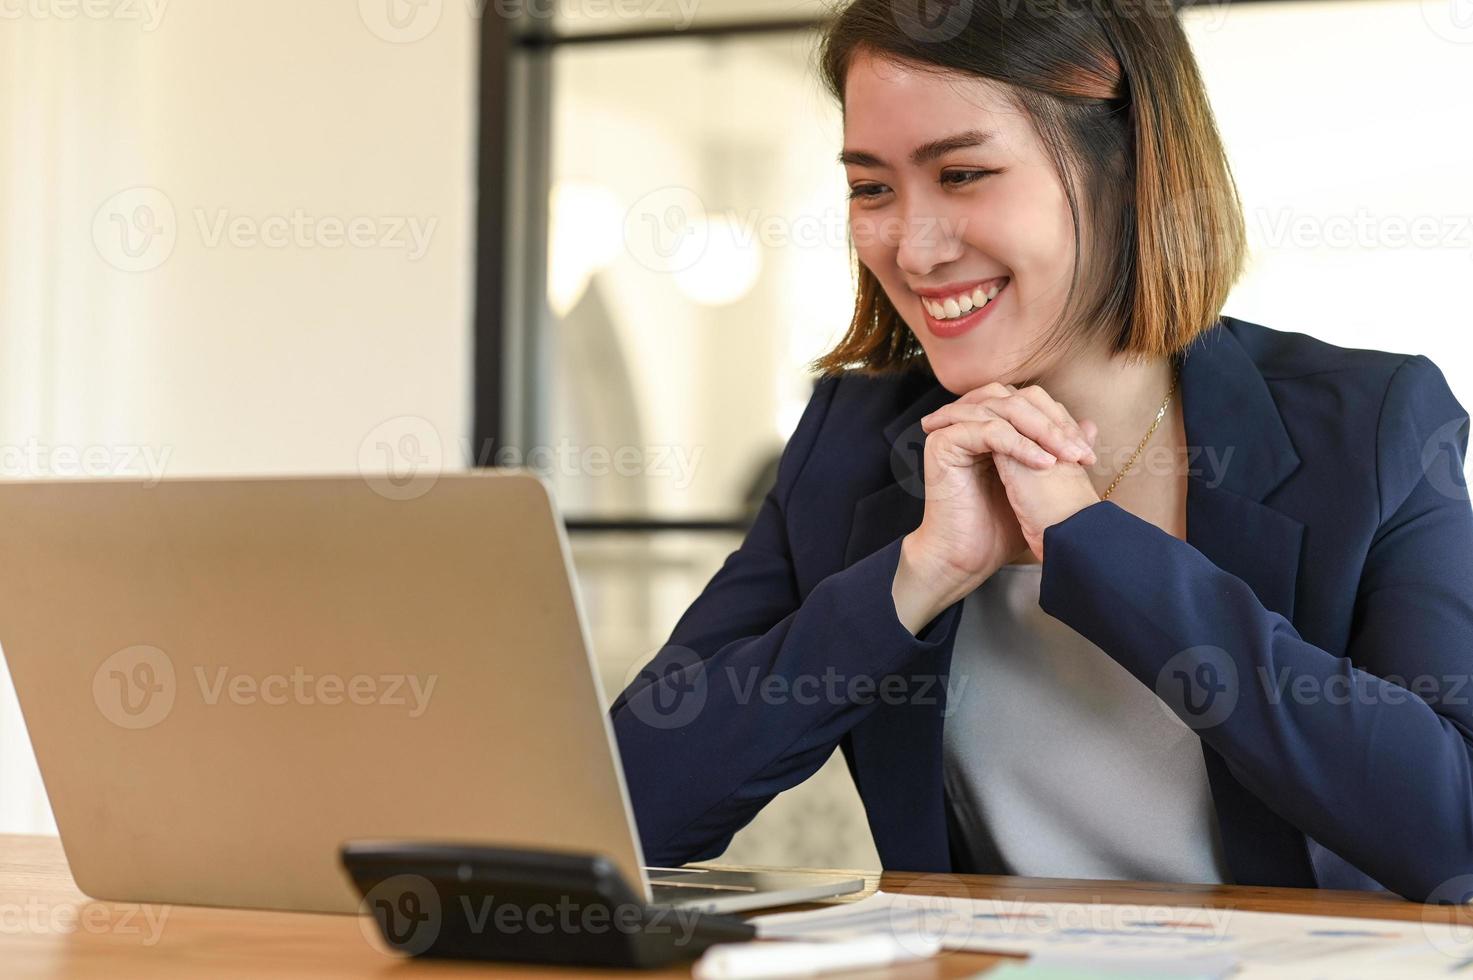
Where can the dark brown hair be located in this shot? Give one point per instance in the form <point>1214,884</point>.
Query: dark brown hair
<point>1113,92</point>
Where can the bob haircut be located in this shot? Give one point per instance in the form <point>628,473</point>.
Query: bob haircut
<point>1111,87</point>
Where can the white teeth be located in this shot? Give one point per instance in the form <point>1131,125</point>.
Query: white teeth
<point>955,306</point>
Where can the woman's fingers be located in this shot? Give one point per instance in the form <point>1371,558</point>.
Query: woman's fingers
<point>1025,416</point>
<point>981,436</point>
<point>995,389</point>
<point>1046,403</point>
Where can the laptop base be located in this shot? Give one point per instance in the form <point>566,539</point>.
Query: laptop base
<point>725,890</point>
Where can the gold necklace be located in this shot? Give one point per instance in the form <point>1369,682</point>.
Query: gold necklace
<point>1160,414</point>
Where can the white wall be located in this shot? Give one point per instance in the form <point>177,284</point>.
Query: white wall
<point>248,352</point>
<point>1351,137</point>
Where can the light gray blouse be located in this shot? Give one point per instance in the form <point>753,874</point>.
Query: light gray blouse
<point>1058,762</point>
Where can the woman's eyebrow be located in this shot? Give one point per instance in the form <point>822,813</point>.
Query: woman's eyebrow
<point>924,153</point>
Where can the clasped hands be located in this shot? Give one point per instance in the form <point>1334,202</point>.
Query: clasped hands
<point>1036,449</point>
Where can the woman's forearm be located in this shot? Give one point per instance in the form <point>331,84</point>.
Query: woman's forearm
<point>719,722</point>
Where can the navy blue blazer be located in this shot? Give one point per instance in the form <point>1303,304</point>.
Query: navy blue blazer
<point>1315,627</point>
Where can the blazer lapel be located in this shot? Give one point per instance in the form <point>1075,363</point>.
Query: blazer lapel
<point>1239,453</point>
<point>1242,454</point>
<point>897,508</point>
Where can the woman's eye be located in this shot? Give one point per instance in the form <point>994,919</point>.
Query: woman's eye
<point>862,191</point>
<point>959,178</point>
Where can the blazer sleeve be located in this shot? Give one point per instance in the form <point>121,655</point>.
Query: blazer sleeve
<point>757,684</point>
<point>1375,763</point>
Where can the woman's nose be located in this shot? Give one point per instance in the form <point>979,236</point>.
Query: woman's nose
<point>924,242</point>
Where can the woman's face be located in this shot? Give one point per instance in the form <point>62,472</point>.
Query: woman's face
<point>941,214</point>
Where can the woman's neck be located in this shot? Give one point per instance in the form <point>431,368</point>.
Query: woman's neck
<point>1121,397</point>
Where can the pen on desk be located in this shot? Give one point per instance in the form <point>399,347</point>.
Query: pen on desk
<point>750,961</point>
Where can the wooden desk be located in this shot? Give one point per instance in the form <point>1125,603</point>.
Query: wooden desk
<point>50,929</point>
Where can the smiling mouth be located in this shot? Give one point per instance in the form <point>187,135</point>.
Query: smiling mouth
<point>962,302</point>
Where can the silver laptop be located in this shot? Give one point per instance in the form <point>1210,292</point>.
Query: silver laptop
<point>224,680</point>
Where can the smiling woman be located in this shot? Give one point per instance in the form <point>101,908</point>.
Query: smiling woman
<point>1096,166</point>
<point>1045,651</point>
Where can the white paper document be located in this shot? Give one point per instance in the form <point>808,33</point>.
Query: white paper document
<point>1263,944</point>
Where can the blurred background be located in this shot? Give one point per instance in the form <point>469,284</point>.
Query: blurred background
<point>598,237</point>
